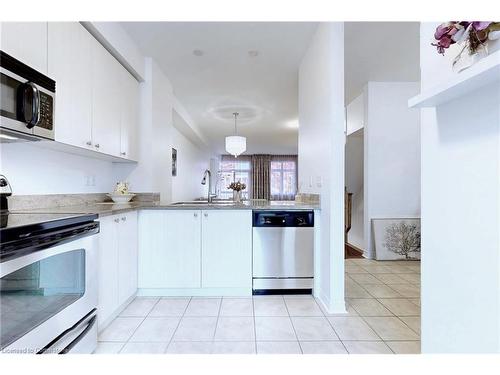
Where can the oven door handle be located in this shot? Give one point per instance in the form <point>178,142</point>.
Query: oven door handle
<point>85,323</point>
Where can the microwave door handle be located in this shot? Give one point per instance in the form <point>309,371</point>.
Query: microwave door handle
<point>36,104</point>
<point>34,111</point>
<point>88,324</point>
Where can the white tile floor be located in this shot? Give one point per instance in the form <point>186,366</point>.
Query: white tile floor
<point>383,317</point>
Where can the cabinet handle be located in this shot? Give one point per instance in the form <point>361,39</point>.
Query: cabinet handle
<point>117,220</point>
<point>97,145</point>
<point>124,218</point>
<point>89,143</point>
<point>195,214</point>
<point>205,214</point>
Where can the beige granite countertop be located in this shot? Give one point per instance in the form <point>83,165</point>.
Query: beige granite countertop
<point>109,208</point>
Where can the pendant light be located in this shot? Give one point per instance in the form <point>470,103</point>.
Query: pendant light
<point>236,145</point>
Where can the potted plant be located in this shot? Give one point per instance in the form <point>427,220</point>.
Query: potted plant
<point>237,187</point>
<point>473,37</point>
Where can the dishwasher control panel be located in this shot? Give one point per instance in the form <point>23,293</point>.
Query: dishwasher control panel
<point>283,219</point>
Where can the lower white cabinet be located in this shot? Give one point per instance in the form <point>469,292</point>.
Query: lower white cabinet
<point>226,250</point>
<point>127,256</point>
<point>117,271</point>
<point>197,251</point>
<point>169,249</point>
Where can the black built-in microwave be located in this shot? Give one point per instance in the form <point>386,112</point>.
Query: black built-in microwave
<point>27,101</point>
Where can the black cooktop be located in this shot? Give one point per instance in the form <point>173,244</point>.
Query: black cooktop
<point>23,233</point>
<point>26,220</point>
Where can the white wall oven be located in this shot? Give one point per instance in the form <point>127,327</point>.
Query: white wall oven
<point>27,100</point>
<point>48,283</point>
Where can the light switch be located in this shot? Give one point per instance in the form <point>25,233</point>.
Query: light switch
<point>319,181</point>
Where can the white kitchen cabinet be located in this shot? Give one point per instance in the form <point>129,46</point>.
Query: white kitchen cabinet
<point>117,270</point>
<point>70,65</point>
<point>169,249</point>
<point>27,42</point>
<point>127,256</point>
<point>129,116</point>
<point>107,270</point>
<point>106,101</point>
<point>226,249</point>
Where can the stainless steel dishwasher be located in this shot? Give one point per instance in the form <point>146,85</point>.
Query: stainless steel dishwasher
<point>283,252</point>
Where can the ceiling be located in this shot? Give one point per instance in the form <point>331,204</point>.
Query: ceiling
<point>217,68</point>
<point>380,51</point>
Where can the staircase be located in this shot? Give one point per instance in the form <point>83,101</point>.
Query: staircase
<point>350,251</point>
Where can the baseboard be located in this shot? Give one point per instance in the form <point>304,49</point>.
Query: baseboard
<point>352,251</point>
<point>195,292</point>
<point>101,326</point>
<point>336,307</point>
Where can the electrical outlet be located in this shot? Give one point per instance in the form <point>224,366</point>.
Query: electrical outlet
<point>89,180</point>
<point>319,181</point>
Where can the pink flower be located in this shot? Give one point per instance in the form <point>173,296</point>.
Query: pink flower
<point>480,25</point>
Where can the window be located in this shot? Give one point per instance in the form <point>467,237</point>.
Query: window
<point>283,178</point>
<point>234,170</point>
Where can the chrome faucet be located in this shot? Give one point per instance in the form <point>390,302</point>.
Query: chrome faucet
<point>204,181</point>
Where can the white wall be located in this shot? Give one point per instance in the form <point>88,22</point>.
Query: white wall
<point>157,137</point>
<point>32,169</point>
<point>460,215</point>
<point>391,155</point>
<point>354,151</point>
<point>321,151</point>
<point>191,163</point>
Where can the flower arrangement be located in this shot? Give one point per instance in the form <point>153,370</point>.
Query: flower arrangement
<point>121,188</point>
<point>474,35</point>
<point>237,186</point>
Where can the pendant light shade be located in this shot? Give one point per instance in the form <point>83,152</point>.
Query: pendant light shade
<point>235,144</point>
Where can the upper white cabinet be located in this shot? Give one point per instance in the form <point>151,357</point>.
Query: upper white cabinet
<point>129,116</point>
<point>97,99</point>
<point>70,64</point>
<point>27,42</point>
<point>106,101</point>
<point>169,249</point>
<point>226,249</point>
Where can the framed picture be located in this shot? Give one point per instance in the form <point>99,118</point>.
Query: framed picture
<point>396,239</point>
<point>174,162</point>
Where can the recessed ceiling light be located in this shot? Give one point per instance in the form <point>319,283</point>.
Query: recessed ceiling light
<point>253,53</point>
<point>198,52</point>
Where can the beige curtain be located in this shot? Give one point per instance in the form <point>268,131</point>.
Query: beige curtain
<point>261,182</point>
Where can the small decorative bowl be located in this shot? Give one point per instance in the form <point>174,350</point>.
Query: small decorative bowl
<point>121,198</point>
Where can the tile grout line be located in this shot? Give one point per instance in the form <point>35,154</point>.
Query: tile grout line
<point>216,325</point>
<point>144,318</point>
<point>293,326</point>
<point>178,324</point>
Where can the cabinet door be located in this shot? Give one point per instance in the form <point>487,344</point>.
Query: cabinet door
<point>106,101</point>
<point>169,249</point>
<point>70,64</point>
<point>108,269</point>
<point>127,256</point>
<point>129,116</point>
<point>27,42</point>
<point>227,249</point>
